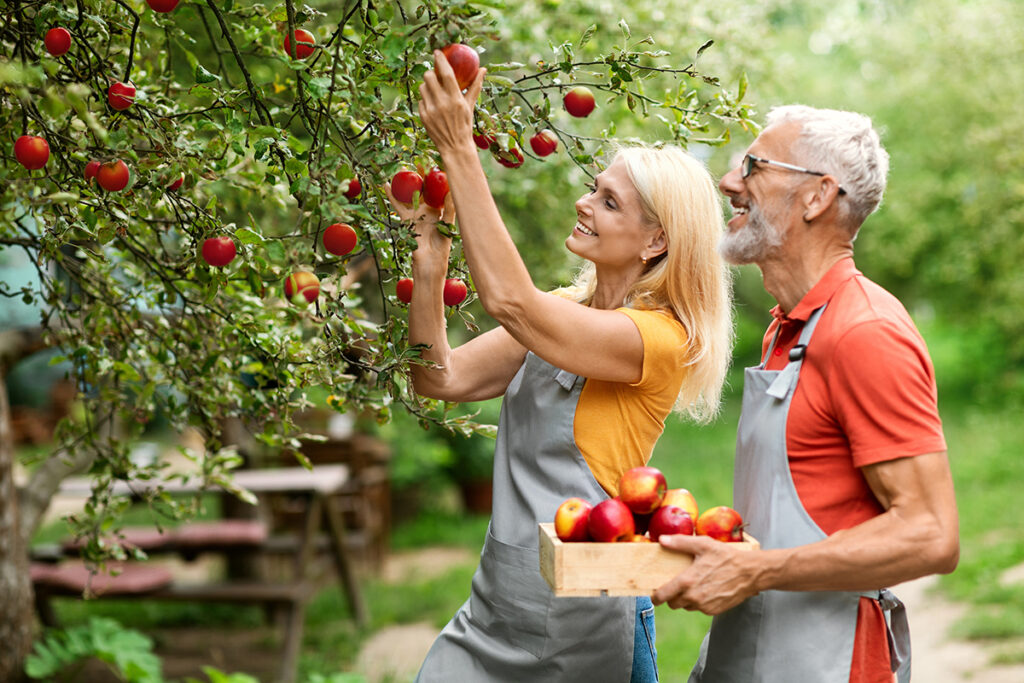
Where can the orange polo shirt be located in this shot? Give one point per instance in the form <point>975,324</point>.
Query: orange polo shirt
<point>866,395</point>
<point>617,424</point>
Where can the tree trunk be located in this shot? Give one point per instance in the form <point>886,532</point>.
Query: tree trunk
<point>16,596</point>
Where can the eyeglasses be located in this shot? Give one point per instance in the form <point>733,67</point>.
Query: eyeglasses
<point>749,161</point>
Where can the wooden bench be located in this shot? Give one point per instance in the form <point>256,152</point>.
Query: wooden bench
<point>315,495</point>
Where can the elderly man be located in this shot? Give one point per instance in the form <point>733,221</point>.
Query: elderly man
<point>841,470</point>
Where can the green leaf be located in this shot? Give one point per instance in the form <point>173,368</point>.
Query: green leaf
<point>204,76</point>
<point>587,35</point>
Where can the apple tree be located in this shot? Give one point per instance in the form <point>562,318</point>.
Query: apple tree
<point>195,156</point>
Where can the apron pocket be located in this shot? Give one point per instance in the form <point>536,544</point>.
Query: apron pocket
<point>510,599</point>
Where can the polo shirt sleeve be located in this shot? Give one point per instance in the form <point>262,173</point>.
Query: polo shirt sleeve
<point>882,385</point>
<point>664,347</point>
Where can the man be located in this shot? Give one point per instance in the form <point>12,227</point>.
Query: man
<point>841,468</point>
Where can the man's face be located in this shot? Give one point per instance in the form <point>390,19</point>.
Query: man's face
<point>761,202</point>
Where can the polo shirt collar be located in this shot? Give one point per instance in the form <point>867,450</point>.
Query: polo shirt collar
<point>820,293</point>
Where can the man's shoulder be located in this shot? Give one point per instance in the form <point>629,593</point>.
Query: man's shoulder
<point>860,300</point>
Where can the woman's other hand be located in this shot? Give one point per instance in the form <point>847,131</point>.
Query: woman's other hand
<point>447,112</point>
<point>424,220</point>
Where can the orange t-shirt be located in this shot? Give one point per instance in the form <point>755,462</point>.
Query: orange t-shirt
<point>617,424</point>
<point>866,394</point>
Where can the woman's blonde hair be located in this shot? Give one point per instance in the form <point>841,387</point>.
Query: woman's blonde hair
<point>690,279</point>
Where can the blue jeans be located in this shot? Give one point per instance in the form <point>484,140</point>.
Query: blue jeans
<point>645,655</point>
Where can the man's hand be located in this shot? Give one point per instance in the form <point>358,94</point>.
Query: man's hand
<point>721,576</point>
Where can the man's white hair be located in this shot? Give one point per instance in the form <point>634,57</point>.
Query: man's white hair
<point>845,145</point>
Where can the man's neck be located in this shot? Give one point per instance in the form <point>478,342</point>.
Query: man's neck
<point>789,276</point>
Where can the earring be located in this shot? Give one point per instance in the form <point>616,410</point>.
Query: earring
<point>643,260</point>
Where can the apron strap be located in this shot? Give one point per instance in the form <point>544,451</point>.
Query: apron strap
<point>566,379</point>
<point>786,380</point>
<point>898,632</point>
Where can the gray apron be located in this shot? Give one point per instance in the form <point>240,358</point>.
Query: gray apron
<point>512,628</point>
<point>792,636</point>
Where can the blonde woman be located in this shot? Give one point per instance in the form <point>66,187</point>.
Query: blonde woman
<point>588,374</point>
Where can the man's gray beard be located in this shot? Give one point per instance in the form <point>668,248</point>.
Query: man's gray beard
<point>751,243</point>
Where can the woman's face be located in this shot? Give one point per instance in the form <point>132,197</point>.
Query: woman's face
<point>610,228</point>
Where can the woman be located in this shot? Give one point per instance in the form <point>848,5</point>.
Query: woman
<point>588,377</point>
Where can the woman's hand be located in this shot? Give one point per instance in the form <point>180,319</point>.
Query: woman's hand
<point>424,220</point>
<point>446,112</point>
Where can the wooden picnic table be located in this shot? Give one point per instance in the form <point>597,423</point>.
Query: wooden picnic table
<point>318,489</point>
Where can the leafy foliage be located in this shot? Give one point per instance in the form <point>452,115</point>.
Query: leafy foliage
<point>268,146</point>
<point>128,652</point>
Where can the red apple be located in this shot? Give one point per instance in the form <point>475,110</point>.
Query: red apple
<point>455,291</point>
<point>611,521</point>
<point>113,176</point>
<point>120,96</point>
<point>544,143</point>
<point>176,185</point>
<point>669,519</point>
<point>435,188</point>
<point>219,251</point>
<point>571,520</point>
<point>465,63</point>
<point>579,101</point>
<point>721,523</point>
<point>403,290</point>
<point>162,6</point>
<point>405,185</point>
<point>32,151</point>
<point>340,238</point>
<point>57,41</point>
<point>681,498</point>
<point>513,158</point>
<point>91,169</point>
<point>354,188</point>
<point>483,140</point>
<point>301,288</point>
<point>304,44</point>
<point>642,489</point>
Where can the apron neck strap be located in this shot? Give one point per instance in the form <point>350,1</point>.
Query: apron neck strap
<point>797,352</point>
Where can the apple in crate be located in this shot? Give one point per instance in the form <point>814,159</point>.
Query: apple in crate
<point>668,520</point>
<point>571,520</point>
<point>642,489</point>
<point>611,521</point>
<point>681,498</point>
<point>721,523</point>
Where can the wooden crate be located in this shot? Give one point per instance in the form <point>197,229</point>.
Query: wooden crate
<point>614,569</point>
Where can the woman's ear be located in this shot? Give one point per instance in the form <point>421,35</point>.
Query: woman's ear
<point>657,245</point>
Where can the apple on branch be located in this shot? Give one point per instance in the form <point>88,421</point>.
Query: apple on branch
<point>544,143</point>
<point>403,290</point>
<point>302,288</point>
<point>455,291</point>
<point>465,63</point>
<point>57,41</point>
<point>120,96</point>
<point>571,520</point>
<point>579,101</point>
<point>405,184</point>
<point>340,238</point>
<point>435,188</point>
<point>32,151</point>
<point>354,188</point>
<point>305,44</point>
<point>113,176</point>
<point>162,6</point>
<point>218,251</point>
